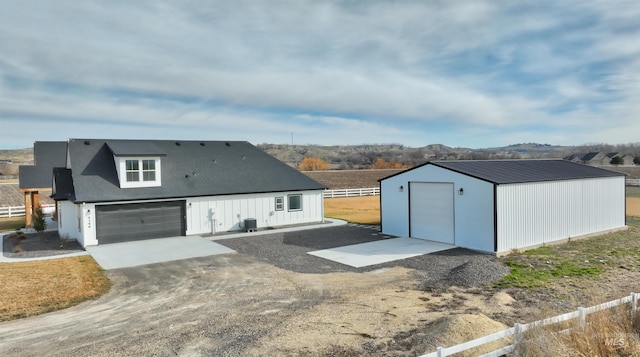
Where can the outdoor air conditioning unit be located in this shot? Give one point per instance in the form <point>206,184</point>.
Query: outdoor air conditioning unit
<point>250,225</point>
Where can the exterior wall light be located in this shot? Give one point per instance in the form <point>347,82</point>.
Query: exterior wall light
<point>401,188</point>
<point>461,191</point>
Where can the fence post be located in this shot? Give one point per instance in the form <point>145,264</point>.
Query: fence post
<point>9,212</point>
<point>634,307</point>
<point>582,316</point>
<point>440,352</point>
<point>517,339</point>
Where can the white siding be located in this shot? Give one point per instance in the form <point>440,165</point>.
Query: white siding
<point>474,227</point>
<point>78,222</point>
<point>227,213</point>
<point>531,214</point>
<point>68,221</point>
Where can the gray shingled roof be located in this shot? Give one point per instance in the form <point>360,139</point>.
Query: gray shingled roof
<point>134,148</point>
<point>188,169</point>
<point>47,155</point>
<point>62,184</point>
<point>516,171</point>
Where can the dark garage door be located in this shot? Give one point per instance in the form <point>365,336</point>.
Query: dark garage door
<point>137,221</point>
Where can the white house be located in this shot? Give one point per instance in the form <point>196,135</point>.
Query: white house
<point>497,206</point>
<point>121,190</point>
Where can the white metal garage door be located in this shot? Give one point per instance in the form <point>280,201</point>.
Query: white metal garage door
<point>431,211</point>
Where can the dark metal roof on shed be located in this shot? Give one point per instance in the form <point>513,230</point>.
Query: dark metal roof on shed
<point>515,171</point>
<point>519,171</point>
<point>190,169</point>
<point>47,155</point>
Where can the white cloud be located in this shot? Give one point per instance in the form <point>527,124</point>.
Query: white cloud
<point>542,69</point>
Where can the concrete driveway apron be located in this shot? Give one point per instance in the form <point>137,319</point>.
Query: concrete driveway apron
<point>136,253</point>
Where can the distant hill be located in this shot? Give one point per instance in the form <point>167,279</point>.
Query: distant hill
<point>18,156</point>
<point>363,156</point>
<point>344,157</point>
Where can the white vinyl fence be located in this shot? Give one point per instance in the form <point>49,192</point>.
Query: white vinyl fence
<point>352,192</point>
<point>17,211</point>
<point>518,329</point>
<point>633,182</point>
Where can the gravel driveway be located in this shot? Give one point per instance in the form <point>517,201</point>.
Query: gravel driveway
<point>459,266</point>
<point>228,304</point>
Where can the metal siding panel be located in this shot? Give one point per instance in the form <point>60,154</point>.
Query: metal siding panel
<point>531,214</point>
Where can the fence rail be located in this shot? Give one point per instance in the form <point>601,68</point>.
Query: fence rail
<point>633,182</point>
<point>518,329</point>
<point>18,211</point>
<point>352,192</point>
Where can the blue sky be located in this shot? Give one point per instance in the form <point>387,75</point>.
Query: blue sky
<point>461,73</point>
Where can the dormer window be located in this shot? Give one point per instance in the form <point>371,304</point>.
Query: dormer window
<point>138,171</point>
<point>137,163</point>
<point>134,169</point>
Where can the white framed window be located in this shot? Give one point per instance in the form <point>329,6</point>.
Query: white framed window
<point>148,170</point>
<point>138,171</point>
<point>133,170</point>
<point>295,202</point>
<point>279,203</point>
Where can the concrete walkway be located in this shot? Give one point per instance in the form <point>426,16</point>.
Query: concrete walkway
<point>381,251</point>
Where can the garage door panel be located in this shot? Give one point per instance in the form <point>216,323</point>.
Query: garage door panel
<point>431,211</point>
<point>129,222</point>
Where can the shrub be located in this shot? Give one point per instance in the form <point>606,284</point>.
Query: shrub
<point>38,221</point>
<point>617,160</point>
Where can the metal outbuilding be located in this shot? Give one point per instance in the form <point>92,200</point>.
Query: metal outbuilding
<point>498,206</point>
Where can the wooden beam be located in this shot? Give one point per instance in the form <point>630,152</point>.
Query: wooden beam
<point>27,209</point>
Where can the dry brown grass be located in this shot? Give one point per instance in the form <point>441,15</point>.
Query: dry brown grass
<point>633,206</point>
<point>11,223</point>
<point>363,210</point>
<point>36,287</point>
<point>607,333</point>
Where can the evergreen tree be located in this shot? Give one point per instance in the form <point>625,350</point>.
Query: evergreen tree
<point>38,221</point>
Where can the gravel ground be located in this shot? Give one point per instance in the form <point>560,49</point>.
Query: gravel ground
<point>454,267</point>
<point>37,245</point>
<point>288,250</point>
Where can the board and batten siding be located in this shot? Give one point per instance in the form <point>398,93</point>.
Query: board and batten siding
<point>68,221</point>
<point>473,210</point>
<point>536,213</point>
<point>214,214</point>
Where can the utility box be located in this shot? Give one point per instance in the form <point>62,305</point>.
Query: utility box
<point>250,225</point>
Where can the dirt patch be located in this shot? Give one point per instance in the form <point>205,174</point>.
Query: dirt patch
<point>256,302</point>
<point>337,179</point>
<point>10,195</point>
